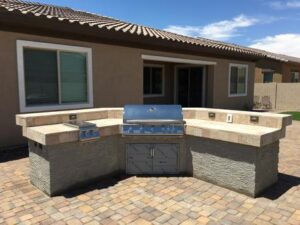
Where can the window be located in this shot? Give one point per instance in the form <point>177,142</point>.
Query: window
<point>238,76</point>
<point>53,77</point>
<point>295,77</point>
<point>153,80</point>
<point>268,77</point>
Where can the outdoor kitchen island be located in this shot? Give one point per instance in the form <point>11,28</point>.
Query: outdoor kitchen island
<point>233,149</point>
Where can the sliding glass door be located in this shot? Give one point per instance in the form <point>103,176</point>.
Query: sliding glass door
<point>190,86</point>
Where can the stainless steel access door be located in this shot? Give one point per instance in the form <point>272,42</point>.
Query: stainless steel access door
<point>152,159</point>
<point>165,158</point>
<point>139,159</point>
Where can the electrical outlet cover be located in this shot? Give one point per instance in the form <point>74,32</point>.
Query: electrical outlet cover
<point>229,118</point>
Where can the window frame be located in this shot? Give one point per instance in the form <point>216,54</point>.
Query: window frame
<point>21,44</point>
<point>246,80</point>
<point>264,74</point>
<point>163,80</point>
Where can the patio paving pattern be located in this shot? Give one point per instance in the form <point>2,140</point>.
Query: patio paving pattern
<point>154,200</point>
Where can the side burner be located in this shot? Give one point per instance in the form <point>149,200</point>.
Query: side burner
<point>87,131</point>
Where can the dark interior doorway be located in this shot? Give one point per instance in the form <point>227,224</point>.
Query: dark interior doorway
<point>190,82</point>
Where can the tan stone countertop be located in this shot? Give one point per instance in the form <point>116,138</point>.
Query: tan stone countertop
<point>236,133</point>
<point>61,133</point>
<point>48,128</point>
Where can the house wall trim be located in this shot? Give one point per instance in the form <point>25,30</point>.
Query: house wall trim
<point>177,60</point>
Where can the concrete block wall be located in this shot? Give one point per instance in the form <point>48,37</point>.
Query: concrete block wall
<point>288,96</point>
<point>266,89</point>
<point>284,96</point>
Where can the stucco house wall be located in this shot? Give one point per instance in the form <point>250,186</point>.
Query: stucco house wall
<point>282,70</point>
<point>117,79</point>
<point>287,68</point>
<point>267,64</point>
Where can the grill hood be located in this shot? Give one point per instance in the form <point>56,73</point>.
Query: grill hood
<point>152,114</point>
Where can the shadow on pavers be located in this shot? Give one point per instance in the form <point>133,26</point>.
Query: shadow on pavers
<point>99,184</point>
<point>96,185</point>
<point>285,182</point>
<point>14,153</point>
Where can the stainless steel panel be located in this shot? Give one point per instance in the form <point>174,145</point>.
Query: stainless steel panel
<point>165,158</point>
<point>161,159</point>
<point>139,159</point>
<point>152,112</point>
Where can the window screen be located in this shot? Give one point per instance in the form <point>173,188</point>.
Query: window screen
<point>42,73</point>
<point>147,80</point>
<point>268,77</point>
<point>153,80</point>
<point>238,82</point>
<point>41,81</point>
<point>233,80</point>
<point>73,75</point>
<point>295,77</point>
<point>156,80</point>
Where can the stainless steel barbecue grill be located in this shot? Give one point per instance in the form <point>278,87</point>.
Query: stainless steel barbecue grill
<point>153,120</point>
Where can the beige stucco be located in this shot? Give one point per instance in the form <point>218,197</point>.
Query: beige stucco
<point>287,68</point>
<point>258,78</point>
<point>267,64</point>
<point>117,79</point>
<point>282,70</point>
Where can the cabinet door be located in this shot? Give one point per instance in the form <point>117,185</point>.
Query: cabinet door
<point>165,158</point>
<point>139,159</point>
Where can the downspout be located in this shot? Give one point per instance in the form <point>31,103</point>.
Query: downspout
<point>275,106</point>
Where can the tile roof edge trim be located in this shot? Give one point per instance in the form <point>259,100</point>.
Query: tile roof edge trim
<point>63,13</point>
<point>177,60</point>
<point>14,5</point>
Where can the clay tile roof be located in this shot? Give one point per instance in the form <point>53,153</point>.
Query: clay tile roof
<point>104,22</point>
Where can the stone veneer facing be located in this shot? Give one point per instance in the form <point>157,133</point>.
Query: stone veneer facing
<point>242,168</point>
<point>246,169</point>
<point>55,169</point>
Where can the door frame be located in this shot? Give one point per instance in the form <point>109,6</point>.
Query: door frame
<point>175,94</point>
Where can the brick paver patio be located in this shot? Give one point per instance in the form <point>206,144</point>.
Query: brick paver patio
<point>145,201</point>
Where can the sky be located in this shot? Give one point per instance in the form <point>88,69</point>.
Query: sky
<point>272,25</point>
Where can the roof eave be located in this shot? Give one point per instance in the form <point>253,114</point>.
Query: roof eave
<point>42,25</point>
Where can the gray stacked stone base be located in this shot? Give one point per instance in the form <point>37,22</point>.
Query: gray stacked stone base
<point>57,168</point>
<point>242,168</point>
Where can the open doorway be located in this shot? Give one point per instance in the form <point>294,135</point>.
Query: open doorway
<point>190,86</point>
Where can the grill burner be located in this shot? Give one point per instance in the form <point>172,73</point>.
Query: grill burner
<point>153,120</point>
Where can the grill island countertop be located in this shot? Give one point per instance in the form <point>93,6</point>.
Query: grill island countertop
<point>49,128</point>
<point>242,155</point>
